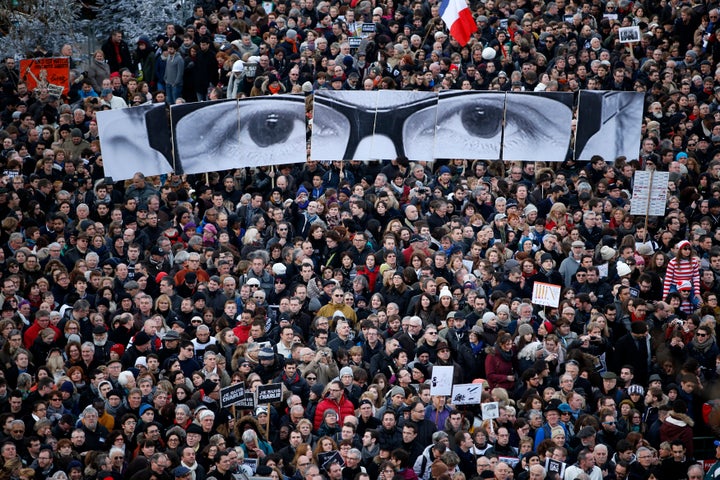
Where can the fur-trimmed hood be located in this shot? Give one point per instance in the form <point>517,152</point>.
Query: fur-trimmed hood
<point>679,419</point>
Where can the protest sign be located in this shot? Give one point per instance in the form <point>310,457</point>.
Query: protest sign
<point>466,394</point>
<point>232,395</point>
<point>442,379</point>
<point>546,294</point>
<point>490,410</point>
<point>47,73</point>
<point>269,393</point>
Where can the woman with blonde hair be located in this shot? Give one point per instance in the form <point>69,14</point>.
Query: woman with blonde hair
<point>558,216</point>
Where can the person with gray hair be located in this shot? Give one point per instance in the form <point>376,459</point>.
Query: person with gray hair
<point>95,433</point>
<point>536,472</point>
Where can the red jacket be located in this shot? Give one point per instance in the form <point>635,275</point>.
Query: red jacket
<point>242,332</point>
<point>344,408</point>
<point>497,370</point>
<point>33,332</point>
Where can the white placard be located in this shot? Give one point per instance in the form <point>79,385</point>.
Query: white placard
<point>546,294</point>
<point>467,394</point>
<point>629,34</point>
<point>490,410</point>
<point>442,379</point>
<point>653,185</point>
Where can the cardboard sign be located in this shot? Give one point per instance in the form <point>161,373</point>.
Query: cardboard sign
<point>46,73</point>
<point>442,380</point>
<point>269,393</point>
<point>251,463</point>
<point>490,410</point>
<point>232,395</point>
<point>354,42</point>
<point>649,193</point>
<point>546,294</point>
<point>466,394</point>
<point>248,400</point>
<point>328,458</point>
<point>555,466</point>
<point>368,28</point>
<point>629,34</point>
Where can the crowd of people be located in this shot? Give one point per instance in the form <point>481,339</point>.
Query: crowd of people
<point>126,307</point>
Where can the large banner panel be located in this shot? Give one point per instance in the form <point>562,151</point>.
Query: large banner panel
<point>609,124</point>
<point>537,126</point>
<point>227,134</point>
<point>135,140</point>
<point>373,125</point>
<point>469,125</point>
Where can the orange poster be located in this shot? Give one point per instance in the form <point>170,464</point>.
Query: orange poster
<point>48,72</point>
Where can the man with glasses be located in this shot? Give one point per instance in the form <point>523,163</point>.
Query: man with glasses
<point>704,349</point>
<point>159,463</point>
<point>352,464</point>
<point>95,433</point>
<point>186,357</point>
<point>336,400</point>
<point>336,305</point>
<point>45,467</point>
<point>644,464</point>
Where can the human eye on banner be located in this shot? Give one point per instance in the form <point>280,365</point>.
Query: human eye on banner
<point>212,136</point>
<point>471,125</point>
<point>227,134</point>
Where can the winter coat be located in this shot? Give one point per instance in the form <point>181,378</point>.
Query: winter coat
<point>111,55</point>
<point>146,62</point>
<point>297,385</point>
<point>497,369</point>
<point>678,426</point>
<point>97,72</point>
<point>344,408</point>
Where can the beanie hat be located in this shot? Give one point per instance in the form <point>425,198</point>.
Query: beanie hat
<point>525,329</point>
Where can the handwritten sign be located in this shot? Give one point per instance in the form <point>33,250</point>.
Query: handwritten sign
<point>47,73</point>
<point>490,410</point>
<point>546,294</point>
<point>269,393</point>
<point>232,395</point>
<point>466,394</point>
<point>442,379</point>
<point>649,193</point>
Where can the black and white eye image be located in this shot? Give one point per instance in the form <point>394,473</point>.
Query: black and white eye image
<point>537,126</point>
<point>229,133</point>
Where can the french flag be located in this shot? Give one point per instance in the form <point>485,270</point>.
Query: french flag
<point>459,19</point>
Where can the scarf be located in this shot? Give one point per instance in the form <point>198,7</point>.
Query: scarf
<point>192,468</point>
<point>118,56</point>
<point>702,347</point>
<point>112,410</point>
<point>507,356</point>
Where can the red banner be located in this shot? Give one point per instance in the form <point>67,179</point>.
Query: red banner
<point>46,72</point>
